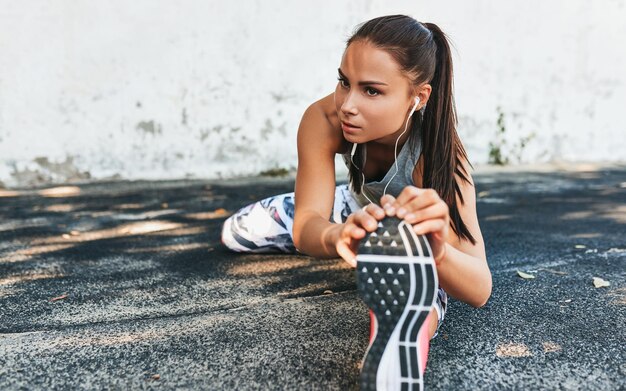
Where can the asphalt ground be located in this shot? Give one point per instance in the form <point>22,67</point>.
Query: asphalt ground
<point>125,285</point>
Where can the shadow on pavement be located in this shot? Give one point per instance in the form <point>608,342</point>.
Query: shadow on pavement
<point>126,285</point>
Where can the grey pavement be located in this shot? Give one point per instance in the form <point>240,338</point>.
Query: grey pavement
<point>125,285</point>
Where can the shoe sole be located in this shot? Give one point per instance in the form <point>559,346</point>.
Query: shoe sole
<point>397,279</point>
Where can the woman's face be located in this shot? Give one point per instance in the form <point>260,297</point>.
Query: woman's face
<point>373,94</point>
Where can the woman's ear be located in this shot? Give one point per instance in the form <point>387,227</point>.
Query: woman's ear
<point>423,92</point>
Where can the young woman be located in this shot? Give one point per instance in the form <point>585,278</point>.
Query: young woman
<point>392,117</point>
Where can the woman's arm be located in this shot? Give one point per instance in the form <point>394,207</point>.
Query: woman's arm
<point>461,266</point>
<point>313,233</point>
<point>465,277</point>
<point>464,272</point>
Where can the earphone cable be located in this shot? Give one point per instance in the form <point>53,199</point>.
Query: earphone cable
<point>395,148</point>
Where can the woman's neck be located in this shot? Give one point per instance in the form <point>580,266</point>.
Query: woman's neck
<point>389,142</point>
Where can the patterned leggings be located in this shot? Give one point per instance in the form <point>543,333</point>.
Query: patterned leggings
<point>267,226</point>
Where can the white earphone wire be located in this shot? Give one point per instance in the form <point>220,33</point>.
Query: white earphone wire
<point>395,149</point>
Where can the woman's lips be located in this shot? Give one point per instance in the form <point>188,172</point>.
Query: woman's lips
<point>348,128</point>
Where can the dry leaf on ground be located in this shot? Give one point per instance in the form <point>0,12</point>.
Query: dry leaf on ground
<point>600,283</point>
<point>220,212</point>
<point>525,275</point>
<point>512,349</point>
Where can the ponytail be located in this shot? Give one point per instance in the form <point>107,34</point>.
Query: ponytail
<point>442,147</point>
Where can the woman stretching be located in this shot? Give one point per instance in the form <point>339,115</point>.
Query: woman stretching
<point>392,117</point>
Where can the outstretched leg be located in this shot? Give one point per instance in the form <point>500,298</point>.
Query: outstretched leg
<point>267,225</point>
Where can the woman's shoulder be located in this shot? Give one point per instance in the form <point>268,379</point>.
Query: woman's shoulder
<point>320,122</point>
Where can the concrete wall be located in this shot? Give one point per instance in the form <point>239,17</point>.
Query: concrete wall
<point>209,89</point>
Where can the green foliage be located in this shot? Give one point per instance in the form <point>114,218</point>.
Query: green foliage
<point>496,154</point>
<point>275,172</point>
<point>495,147</point>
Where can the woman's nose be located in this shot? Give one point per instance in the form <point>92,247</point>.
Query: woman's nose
<point>349,106</point>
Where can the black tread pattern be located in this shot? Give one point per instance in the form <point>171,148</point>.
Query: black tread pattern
<point>385,288</point>
<point>386,293</point>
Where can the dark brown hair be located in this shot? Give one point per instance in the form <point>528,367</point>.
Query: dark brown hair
<point>423,52</point>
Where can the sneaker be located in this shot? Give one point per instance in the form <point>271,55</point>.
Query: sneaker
<point>397,279</point>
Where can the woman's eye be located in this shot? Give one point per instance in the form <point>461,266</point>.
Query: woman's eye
<point>343,82</point>
<point>371,91</point>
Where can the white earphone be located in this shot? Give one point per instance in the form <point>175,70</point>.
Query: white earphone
<point>417,102</point>
<point>395,151</point>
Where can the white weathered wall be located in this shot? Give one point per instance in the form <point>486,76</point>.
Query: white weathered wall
<point>212,89</point>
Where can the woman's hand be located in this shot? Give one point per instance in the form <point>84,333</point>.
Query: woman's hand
<point>355,228</point>
<point>426,211</point>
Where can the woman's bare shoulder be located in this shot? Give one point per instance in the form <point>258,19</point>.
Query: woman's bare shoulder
<point>321,121</point>
<point>327,105</point>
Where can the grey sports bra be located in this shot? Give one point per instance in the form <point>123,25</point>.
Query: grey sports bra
<point>407,161</point>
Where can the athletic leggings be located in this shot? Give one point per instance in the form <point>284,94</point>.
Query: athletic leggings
<point>266,226</point>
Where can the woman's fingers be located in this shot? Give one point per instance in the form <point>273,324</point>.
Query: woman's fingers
<point>429,226</point>
<point>350,234</point>
<point>346,253</point>
<point>387,201</point>
<point>413,199</point>
<point>375,210</point>
<point>366,219</point>
<point>355,229</point>
<point>407,194</point>
<point>437,210</point>
<point>352,230</point>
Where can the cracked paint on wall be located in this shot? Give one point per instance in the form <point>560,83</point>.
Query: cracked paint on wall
<point>42,170</point>
<point>149,127</point>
